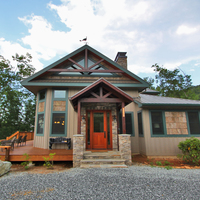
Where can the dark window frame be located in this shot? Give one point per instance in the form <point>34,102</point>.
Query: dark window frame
<point>160,123</point>
<point>132,132</point>
<point>140,124</point>
<point>189,123</point>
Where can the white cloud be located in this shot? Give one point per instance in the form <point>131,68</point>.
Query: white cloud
<point>185,30</point>
<point>8,49</point>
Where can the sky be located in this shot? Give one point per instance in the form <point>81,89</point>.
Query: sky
<point>165,32</point>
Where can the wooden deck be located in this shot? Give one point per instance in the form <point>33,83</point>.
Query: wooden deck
<point>37,154</point>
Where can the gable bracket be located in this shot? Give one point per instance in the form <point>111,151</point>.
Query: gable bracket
<point>75,63</point>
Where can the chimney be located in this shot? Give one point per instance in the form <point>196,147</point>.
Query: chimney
<point>121,59</point>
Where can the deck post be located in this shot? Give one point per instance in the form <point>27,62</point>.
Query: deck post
<point>123,119</point>
<point>7,155</point>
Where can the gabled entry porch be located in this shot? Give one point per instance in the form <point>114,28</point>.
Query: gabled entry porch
<point>98,106</point>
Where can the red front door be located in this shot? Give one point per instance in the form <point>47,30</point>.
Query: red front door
<point>98,130</point>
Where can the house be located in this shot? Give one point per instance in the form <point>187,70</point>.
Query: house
<point>101,105</point>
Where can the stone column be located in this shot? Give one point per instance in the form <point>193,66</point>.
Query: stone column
<point>125,148</point>
<point>78,148</point>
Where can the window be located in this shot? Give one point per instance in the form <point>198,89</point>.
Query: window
<point>40,124</point>
<point>59,113</point>
<point>193,120</point>
<point>42,95</point>
<point>157,123</point>
<point>140,127</point>
<point>58,123</point>
<point>59,94</point>
<point>129,123</point>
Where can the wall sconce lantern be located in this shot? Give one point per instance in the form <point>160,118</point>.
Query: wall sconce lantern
<point>114,118</point>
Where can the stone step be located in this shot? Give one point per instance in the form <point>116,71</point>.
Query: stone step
<point>86,166</point>
<point>103,161</point>
<point>102,155</point>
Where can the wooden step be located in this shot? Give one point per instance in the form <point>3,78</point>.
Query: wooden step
<point>86,166</point>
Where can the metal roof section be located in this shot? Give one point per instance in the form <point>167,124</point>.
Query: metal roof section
<point>145,100</point>
<point>150,91</point>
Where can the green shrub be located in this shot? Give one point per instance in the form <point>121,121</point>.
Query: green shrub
<point>48,161</point>
<point>191,150</point>
<point>26,163</point>
<point>158,163</point>
<point>168,167</point>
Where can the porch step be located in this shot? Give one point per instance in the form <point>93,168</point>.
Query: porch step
<point>103,163</point>
<point>110,159</point>
<point>101,155</point>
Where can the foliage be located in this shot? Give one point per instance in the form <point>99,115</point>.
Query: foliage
<point>26,163</point>
<point>167,163</point>
<point>171,83</point>
<point>49,160</point>
<point>158,163</point>
<point>168,167</point>
<point>191,150</point>
<point>17,105</point>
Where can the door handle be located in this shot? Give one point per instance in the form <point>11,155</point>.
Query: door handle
<point>104,134</point>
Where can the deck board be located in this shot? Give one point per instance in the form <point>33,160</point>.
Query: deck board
<point>37,154</point>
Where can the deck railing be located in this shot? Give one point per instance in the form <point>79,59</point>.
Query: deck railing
<point>30,135</point>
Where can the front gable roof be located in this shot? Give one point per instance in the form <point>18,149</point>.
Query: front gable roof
<point>101,91</point>
<point>81,68</point>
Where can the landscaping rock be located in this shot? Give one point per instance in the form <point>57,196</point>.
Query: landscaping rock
<point>4,167</point>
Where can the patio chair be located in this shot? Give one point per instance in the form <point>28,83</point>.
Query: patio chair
<point>9,143</point>
<point>24,140</point>
<point>19,140</point>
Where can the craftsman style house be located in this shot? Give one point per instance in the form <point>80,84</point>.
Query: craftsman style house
<point>101,105</point>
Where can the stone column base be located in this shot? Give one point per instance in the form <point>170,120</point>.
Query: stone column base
<point>125,148</point>
<point>78,148</point>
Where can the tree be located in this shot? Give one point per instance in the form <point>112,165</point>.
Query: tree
<point>172,83</point>
<point>13,96</point>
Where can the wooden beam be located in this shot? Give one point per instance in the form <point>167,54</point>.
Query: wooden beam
<point>75,63</point>
<point>123,119</point>
<point>86,58</point>
<point>95,95</point>
<point>101,99</point>
<point>96,63</point>
<point>108,94</point>
<point>79,118</point>
<point>85,70</point>
<point>101,91</point>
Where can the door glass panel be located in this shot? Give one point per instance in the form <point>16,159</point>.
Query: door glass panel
<point>108,128</point>
<point>88,128</point>
<point>98,122</point>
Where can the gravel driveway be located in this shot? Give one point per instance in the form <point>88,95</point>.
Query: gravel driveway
<point>135,182</point>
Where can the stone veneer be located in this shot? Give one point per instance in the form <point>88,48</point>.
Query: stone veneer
<point>125,148</point>
<point>78,149</point>
<point>176,123</point>
<point>100,106</point>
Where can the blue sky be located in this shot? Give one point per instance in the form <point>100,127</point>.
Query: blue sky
<point>166,32</point>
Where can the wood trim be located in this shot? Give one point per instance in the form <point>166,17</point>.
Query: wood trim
<point>96,63</point>
<point>123,119</point>
<point>79,118</point>
<point>108,94</point>
<point>86,58</point>
<point>95,95</point>
<point>75,63</point>
<point>85,70</point>
<point>101,99</point>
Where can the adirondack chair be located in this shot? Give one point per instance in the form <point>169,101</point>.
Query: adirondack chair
<point>24,140</point>
<point>9,143</point>
<point>19,140</point>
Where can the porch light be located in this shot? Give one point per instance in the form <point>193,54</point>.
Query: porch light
<point>83,117</point>
<point>114,117</point>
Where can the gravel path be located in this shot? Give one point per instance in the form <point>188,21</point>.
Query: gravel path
<point>135,182</point>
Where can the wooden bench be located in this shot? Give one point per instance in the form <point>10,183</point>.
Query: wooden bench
<point>60,140</point>
<point>7,148</point>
